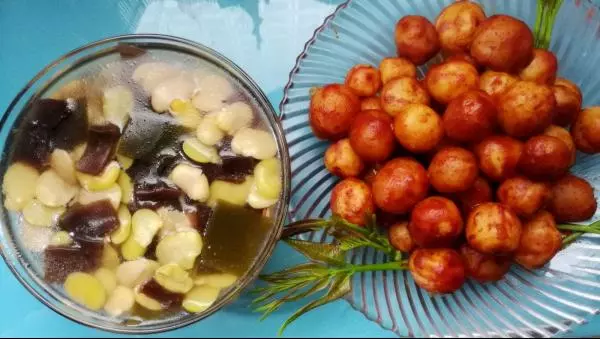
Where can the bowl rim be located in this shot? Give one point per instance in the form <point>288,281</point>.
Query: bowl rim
<point>199,51</point>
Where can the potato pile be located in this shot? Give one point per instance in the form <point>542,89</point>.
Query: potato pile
<point>467,167</point>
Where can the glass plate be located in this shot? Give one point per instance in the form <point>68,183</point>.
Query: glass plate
<point>539,303</point>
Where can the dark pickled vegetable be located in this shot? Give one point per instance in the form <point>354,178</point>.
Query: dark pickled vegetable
<point>91,222</point>
<point>150,171</point>
<point>59,262</point>
<point>233,169</point>
<point>199,215</point>
<point>100,149</point>
<point>167,299</point>
<point>148,133</point>
<point>73,130</point>
<point>154,196</point>
<point>128,51</point>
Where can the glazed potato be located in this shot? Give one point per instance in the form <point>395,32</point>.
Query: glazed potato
<point>448,80</point>
<point>453,169</point>
<point>484,267</point>
<point>572,200</point>
<point>372,137</point>
<point>332,110</point>
<point>503,43</point>
<point>568,102</point>
<point>400,238</point>
<point>363,80</point>
<point>499,156</point>
<point>341,160</point>
<point>418,128</point>
<point>462,57</point>
<point>493,228</point>
<point>525,109</point>
<point>371,103</point>
<point>586,130</point>
<point>496,83</point>
<point>416,39</point>
<point>471,117</point>
<point>542,68</point>
<point>400,92</point>
<point>399,185</point>
<point>392,68</point>
<point>564,135</point>
<point>540,241</point>
<point>352,200</point>
<point>456,25</point>
<point>439,270</point>
<point>435,222</point>
<point>479,193</point>
<point>545,158</point>
<point>524,196</point>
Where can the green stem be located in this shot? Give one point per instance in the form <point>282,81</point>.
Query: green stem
<point>394,265</point>
<point>569,239</point>
<point>579,228</point>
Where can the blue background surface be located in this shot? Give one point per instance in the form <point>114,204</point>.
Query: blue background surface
<point>262,36</point>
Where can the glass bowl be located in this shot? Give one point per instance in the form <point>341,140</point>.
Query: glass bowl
<point>23,263</point>
<point>538,303</point>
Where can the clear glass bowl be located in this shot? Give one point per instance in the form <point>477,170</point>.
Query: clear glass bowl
<point>27,267</point>
<point>539,303</point>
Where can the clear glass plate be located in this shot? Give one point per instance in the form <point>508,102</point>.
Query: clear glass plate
<point>539,303</point>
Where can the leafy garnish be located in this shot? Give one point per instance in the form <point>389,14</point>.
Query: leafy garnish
<point>577,231</point>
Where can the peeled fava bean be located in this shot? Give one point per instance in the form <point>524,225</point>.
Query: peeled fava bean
<point>254,143</point>
<point>121,234</point>
<point>117,105</point>
<point>208,132</point>
<point>90,222</point>
<point>86,290</point>
<point>19,185</point>
<point>154,297</point>
<point>178,87</point>
<point>38,214</point>
<point>236,194</point>
<point>200,152</point>
<point>173,221</point>
<point>102,181</point>
<point>110,257</point>
<point>213,91</point>
<point>192,181</point>
<point>267,176</point>
<point>173,278</point>
<point>181,248</point>
<point>133,273</point>
<point>61,238</point>
<point>107,278</point>
<point>234,117</point>
<point>100,149</point>
<point>53,191</point>
<point>120,301</point>
<point>200,298</point>
<point>126,185</point>
<point>217,280</point>
<point>150,74</point>
<point>62,163</point>
<point>112,194</point>
<point>258,201</point>
<point>145,224</point>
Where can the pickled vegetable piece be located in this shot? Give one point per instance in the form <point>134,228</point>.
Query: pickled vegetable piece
<point>126,185</point>
<point>19,185</point>
<point>61,238</point>
<point>154,291</point>
<point>102,181</point>
<point>180,248</point>
<point>112,194</point>
<point>53,191</point>
<point>73,130</point>
<point>86,290</point>
<point>233,169</point>
<point>145,224</point>
<point>62,163</point>
<point>173,278</point>
<point>90,222</point>
<point>59,262</point>
<point>101,145</point>
<point>235,194</point>
<point>147,133</point>
<point>217,280</point>
<point>200,298</point>
<point>200,153</point>
<point>133,273</point>
<point>156,195</point>
<point>120,301</point>
<point>267,176</point>
<point>191,180</point>
<point>38,214</point>
<point>128,51</point>
<point>121,234</point>
<point>107,278</point>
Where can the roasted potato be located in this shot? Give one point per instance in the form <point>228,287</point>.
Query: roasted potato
<point>392,68</point>
<point>352,200</point>
<point>462,57</point>
<point>545,158</point>
<point>363,80</point>
<point>399,92</point>
<point>524,196</point>
<point>371,103</point>
<point>456,25</point>
<point>503,43</point>
<point>525,109</point>
<point>493,228</point>
<point>496,83</point>
<point>341,160</point>
<point>480,192</point>
<point>399,185</point>
<point>499,156</point>
<point>437,270</point>
<point>372,137</point>
<point>416,39</point>
<point>586,130</point>
<point>435,222</point>
<point>332,110</point>
<point>453,169</point>
<point>484,267</point>
<point>568,102</point>
<point>542,68</point>
<point>540,241</point>
<point>572,200</point>
<point>400,238</point>
<point>418,128</point>
<point>564,135</point>
<point>470,117</point>
<point>448,80</point>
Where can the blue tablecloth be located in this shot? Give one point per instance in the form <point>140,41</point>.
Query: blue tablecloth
<point>262,36</point>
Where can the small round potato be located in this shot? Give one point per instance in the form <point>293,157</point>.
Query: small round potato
<point>341,160</point>
<point>564,135</point>
<point>524,196</point>
<point>457,24</point>
<point>542,68</point>
<point>540,241</point>
<point>493,228</point>
<point>448,80</point>
<point>400,238</point>
<point>526,109</point>
<point>363,80</point>
<point>480,192</point>
<point>332,110</point>
<point>462,57</point>
<point>453,169</point>
<point>503,43</point>
<point>437,270</point>
<point>586,130</point>
<point>400,185</point>
<point>371,103</point>
<point>418,128</point>
<point>545,158</point>
<point>499,156</point>
<point>399,92</point>
<point>568,102</point>
<point>496,83</point>
<point>392,68</point>
<point>572,200</point>
<point>416,39</point>
<point>351,199</point>
<point>484,267</point>
<point>470,117</point>
<point>372,137</point>
<point>435,222</point>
